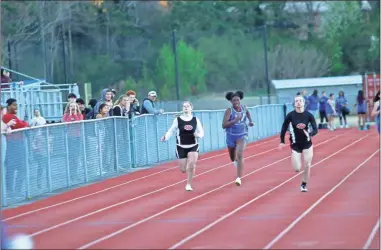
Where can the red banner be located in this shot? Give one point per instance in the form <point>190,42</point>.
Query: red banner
<point>370,84</point>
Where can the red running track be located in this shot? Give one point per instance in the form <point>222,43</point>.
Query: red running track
<point>150,208</point>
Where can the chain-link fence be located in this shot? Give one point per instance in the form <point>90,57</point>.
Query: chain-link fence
<point>55,157</point>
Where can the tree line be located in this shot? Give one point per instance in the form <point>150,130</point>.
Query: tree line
<point>220,44</point>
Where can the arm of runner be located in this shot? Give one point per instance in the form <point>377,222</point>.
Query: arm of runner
<point>170,131</point>
<point>199,130</point>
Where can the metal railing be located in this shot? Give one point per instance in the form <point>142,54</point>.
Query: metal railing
<point>50,99</point>
<point>56,157</point>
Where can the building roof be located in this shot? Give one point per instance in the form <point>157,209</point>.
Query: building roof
<point>317,82</point>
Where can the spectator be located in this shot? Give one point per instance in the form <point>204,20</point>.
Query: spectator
<point>331,111</point>
<point>304,94</point>
<point>148,106</point>
<point>342,110</point>
<point>5,79</point>
<point>361,104</point>
<point>134,104</point>
<point>322,109</point>
<point>103,111</point>
<point>121,106</point>
<point>82,108</point>
<point>15,157</point>
<point>37,120</point>
<point>92,113</point>
<point>106,97</point>
<point>5,130</point>
<point>313,103</point>
<point>71,97</point>
<point>72,113</point>
<point>11,114</point>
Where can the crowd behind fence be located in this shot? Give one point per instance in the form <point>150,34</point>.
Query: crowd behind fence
<point>41,160</point>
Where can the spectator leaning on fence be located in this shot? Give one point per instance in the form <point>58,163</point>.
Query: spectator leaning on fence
<point>15,158</point>
<point>82,108</point>
<point>11,114</point>
<point>72,113</point>
<point>37,120</point>
<point>134,104</point>
<point>5,130</point>
<point>106,97</point>
<point>148,106</point>
<point>121,106</point>
<point>92,113</point>
<point>103,111</point>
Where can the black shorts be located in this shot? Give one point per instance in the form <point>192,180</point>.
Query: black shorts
<point>182,153</point>
<point>361,113</point>
<point>299,147</point>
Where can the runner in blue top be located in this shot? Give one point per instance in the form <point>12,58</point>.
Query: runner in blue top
<point>236,130</point>
<point>376,110</point>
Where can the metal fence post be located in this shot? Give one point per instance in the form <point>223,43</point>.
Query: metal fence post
<point>67,157</point>
<point>132,141</point>
<point>146,135</point>
<point>129,142</point>
<point>116,146</point>
<point>84,152</point>
<point>100,150</point>
<point>3,173</point>
<point>27,172</point>
<point>157,139</point>
<point>169,155</point>
<point>49,169</point>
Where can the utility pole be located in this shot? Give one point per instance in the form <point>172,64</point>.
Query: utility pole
<point>265,47</point>
<point>177,80</point>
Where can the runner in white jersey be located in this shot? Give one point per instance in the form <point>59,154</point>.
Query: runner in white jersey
<point>188,130</point>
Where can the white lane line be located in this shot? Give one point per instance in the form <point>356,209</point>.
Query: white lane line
<point>136,198</point>
<point>119,185</point>
<point>256,198</point>
<point>372,235</point>
<point>293,224</point>
<point>187,201</point>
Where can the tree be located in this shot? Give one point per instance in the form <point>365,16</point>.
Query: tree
<point>191,69</point>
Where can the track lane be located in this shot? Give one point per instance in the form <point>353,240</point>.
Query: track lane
<point>267,216</point>
<point>184,219</point>
<point>345,218</point>
<point>116,217</point>
<point>110,184</point>
<point>84,206</point>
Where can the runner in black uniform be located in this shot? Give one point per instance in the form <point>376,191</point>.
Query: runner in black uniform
<point>300,139</point>
<point>189,131</point>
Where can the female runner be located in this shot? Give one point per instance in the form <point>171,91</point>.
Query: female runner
<point>300,138</point>
<point>236,130</point>
<point>189,131</point>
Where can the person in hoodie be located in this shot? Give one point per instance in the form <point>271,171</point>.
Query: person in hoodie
<point>106,97</point>
<point>322,108</point>
<point>342,109</point>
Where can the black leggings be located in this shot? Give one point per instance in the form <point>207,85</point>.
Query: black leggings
<point>342,115</point>
<point>322,116</point>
